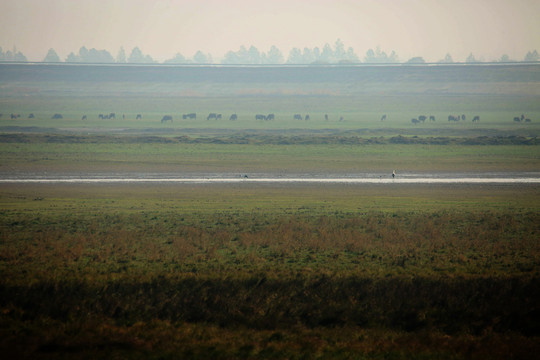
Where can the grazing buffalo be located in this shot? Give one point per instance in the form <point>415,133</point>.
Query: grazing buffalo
<point>15,116</point>
<point>415,121</point>
<point>527,120</point>
<point>260,117</point>
<point>83,117</point>
<point>431,118</point>
<point>57,116</point>
<point>307,117</point>
<point>138,117</point>
<point>476,118</point>
<point>422,118</point>
<point>383,117</point>
<point>517,119</point>
<point>166,118</point>
<point>326,117</point>
<point>341,118</point>
<point>270,117</point>
<point>190,116</point>
<point>218,117</point>
<point>211,116</point>
<point>112,116</point>
<point>31,116</point>
<point>453,118</point>
<point>233,117</point>
<point>297,117</point>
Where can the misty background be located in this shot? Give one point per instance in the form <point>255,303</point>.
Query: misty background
<point>337,53</point>
<point>273,32</point>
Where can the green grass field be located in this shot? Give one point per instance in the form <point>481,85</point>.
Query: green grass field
<point>260,154</point>
<point>245,271</point>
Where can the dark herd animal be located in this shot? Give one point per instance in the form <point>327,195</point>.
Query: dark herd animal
<point>107,116</point>
<point>522,118</point>
<point>188,116</point>
<point>307,117</point>
<point>421,119</point>
<point>463,117</point>
<point>213,116</point>
<point>271,116</point>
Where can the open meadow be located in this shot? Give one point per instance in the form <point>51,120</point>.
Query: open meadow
<point>269,270</point>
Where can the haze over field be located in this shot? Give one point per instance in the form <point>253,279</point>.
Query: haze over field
<point>431,29</point>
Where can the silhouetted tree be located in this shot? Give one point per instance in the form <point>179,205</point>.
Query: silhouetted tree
<point>121,57</point>
<point>339,50</point>
<point>99,56</point>
<point>90,56</point>
<point>505,58</point>
<point>295,56</point>
<point>274,56</point>
<point>316,53</point>
<point>72,58</point>
<point>532,56</point>
<point>13,55</point>
<point>327,54</point>
<point>83,53</point>
<point>201,58</point>
<point>253,55</point>
<point>447,59</point>
<point>239,57</point>
<point>230,58</point>
<point>51,56</point>
<point>379,56</point>
<point>471,59</point>
<point>350,56</point>
<point>137,57</point>
<point>308,57</point>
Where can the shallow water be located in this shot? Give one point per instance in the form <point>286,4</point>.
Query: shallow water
<point>447,178</point>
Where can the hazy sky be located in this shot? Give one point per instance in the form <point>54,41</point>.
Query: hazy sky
<point>162,28</point>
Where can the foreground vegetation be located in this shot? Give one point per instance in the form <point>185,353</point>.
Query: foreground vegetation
<point>236,271</point>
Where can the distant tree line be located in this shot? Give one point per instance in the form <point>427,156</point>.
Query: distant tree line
<point>328,54</point>
<point>12,55</point>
